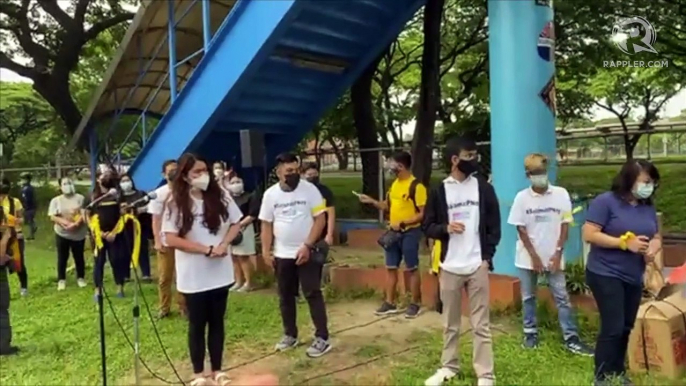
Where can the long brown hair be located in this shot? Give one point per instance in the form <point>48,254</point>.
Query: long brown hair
<point>214,202</point>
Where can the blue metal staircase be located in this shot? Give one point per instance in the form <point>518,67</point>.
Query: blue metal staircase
<point>275,67</point>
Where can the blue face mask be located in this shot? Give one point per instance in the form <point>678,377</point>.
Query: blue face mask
<point>644,190</point>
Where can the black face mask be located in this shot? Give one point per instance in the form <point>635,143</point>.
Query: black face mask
<point>292,180</point>
<point>468,167</point>
<point>171,175</point>
<point>314,180</point>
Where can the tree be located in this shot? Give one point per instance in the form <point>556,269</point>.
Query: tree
<point>629,92</point>
<point>429,95</point>
<point>22,111</point>
<point>43,40</point>
<point>396,90</point>
<point>366,129</point>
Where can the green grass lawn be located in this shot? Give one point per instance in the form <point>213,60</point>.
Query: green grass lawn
<point>583,180</point>
<point>58,335</point>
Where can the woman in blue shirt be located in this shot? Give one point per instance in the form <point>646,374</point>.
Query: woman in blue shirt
<point>621,226</point>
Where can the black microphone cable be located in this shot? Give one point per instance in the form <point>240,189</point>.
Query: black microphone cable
<point>128,340</point>
<point>128,245</point>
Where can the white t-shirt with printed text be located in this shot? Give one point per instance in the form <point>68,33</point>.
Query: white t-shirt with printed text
<point>197,272</point>
<point>292,214</point>
<point>463,256</point>
<point>543,216</point>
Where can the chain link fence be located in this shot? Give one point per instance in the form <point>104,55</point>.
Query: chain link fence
<point>46,174</point>
<point>669,147</point>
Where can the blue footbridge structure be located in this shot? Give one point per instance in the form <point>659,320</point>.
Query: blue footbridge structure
<point>208,71</point>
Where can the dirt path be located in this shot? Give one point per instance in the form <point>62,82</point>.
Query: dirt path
<point>357,336</point>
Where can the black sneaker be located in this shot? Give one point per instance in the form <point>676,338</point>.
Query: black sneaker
<point>576,346</point>
<point>530,341</point>
<point>412,311</point>
<point>386,309</point>
<point>12,350</point>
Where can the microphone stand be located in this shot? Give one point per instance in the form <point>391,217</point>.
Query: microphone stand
<point>103,352</point>
<point>136,307</point>
<point>136,330</point>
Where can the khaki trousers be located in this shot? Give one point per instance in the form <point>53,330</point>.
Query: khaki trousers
<point>165,270</point>
<point>476,287</point>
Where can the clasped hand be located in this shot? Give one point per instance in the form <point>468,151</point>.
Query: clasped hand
<point>455,227</point>
<point>220,250</point>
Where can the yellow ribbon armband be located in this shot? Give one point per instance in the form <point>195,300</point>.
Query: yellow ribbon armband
<point>436,257</point>
<point>94,225</point>
<point>624,240</point>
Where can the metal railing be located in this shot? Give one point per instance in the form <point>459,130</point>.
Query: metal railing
<point>170,77</point>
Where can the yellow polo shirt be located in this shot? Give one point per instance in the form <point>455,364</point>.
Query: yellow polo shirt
<point>17,207</point>
<point>402,208</point>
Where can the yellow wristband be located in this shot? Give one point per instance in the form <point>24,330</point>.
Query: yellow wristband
<point>624,239</point>
<point>623,243</point>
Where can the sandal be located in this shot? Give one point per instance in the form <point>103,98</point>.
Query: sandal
<point>222,379</point>
<point>202,381</point>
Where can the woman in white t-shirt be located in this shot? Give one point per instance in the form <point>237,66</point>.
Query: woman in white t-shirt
<point>200,222</point>
<point>66,212</point>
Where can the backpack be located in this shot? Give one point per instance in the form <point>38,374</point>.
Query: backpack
<point>411,195</point>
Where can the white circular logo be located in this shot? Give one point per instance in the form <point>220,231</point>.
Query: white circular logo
<point>634,35</point>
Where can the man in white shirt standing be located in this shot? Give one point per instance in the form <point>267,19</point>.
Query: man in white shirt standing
<point>165,255</point>
<point>292,216</point>
<point>542,214</point>
<point>462,216</point>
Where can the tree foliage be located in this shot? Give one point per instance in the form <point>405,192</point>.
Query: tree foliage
<point>638,93</point>
<point>44,40</point>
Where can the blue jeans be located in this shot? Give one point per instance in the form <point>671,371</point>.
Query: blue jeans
<point>407,248</point>
<point>558,288</point>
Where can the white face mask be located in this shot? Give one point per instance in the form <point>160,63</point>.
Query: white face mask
<point>218,173</point>
<point>644,190</point>
<point>67,188</point>
<point>126,186</point>
<point>201,182</point>
<point>539,181</point>
<point>236,188</point>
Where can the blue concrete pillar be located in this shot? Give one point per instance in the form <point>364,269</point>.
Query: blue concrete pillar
<point>522,92</point>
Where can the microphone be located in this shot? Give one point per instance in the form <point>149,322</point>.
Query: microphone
<point>143,200</point>
<point>110,193</point>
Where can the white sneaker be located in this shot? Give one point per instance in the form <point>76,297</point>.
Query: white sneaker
<point>61,285</point>
<point>441,375</point>
<point>485,382</point>
<point>81,283</point>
